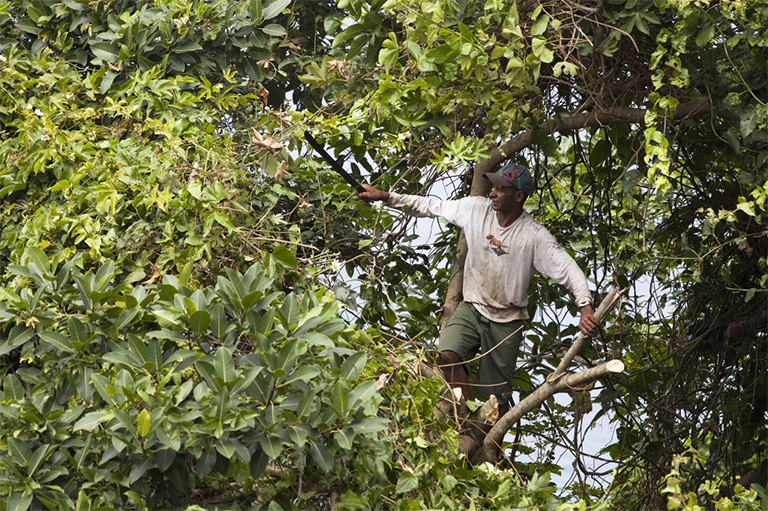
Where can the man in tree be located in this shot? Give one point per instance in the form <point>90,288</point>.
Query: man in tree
<point>505,246</point>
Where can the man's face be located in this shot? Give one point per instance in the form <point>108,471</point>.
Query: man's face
<point>506,198</point>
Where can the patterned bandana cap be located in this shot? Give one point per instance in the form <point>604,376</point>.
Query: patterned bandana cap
<point>512,174</point>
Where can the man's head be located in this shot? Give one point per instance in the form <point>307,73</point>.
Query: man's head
<point>512,175</point>
<point>512,184</point>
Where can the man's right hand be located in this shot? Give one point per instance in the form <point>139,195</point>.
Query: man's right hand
<point>372,194</point>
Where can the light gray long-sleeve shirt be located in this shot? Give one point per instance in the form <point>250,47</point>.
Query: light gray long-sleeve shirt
<point>501,260</point>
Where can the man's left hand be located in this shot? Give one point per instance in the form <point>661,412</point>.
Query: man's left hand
<point>588,323</point>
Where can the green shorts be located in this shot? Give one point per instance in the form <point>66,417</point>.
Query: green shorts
<point>470,334</point>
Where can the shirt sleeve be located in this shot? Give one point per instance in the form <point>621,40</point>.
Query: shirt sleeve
<point>551,259</point>
<point>418,206</point>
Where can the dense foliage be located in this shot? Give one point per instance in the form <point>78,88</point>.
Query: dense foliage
<point>174,267</point>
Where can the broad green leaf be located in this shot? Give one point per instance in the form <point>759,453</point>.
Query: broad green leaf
<point>290,311</point>
<point>254,9</point>
<point>57,340</point>
<point>223,364</point>
<point>305,407</point>
<point>105,51</point>
<point>90,421</point>
<point>322,455</point>
<point>226,448</point>
<point>18,501</point>
<point>222,403</point>
<point>77,329</point>
<point>258,465</point>
<point>344,438</point>
<point>303,373</point>
<point>38,457</point>
<point>125,317</point>
<point>353,366</point>
<point>540,25</point>
<point>19,451</point>
<point>38,257</point>
<point>186,47</point>
<point>199,321</point>
<point>16,337</point>
<point>12,388</point>
<point>285,256</point>
<point>164,459</point>
<point>406,482</point>
<point>362,393</point>
<point>275,31</point>
<point>219,325</point>
<point>370,425</point>
<point>139,469</point>
<point>143,423</point>
<point>207,371</point>
<point>271,445</point>
<point>340,397</point>
<point>274,8</point>
<point>705,35</point>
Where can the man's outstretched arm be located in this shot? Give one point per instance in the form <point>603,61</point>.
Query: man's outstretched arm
<point>372,194</point>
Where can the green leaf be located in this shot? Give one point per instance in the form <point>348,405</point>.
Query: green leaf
<point>77,330</point>
<point>322,455</point>
<point>303,373</point>
<point>12,388</point>
<point>340,397</point>
<point>705,35</point>
<point>305,405</point>
<point>344,438</point>
<point>258,464</point>
<point>274,8</point>
<point>255,9</point>
<point>290,311</point>
<point>362,393</point>
<point>199,321</point>
<point>353,366</point>
<point>125,317</point>
<point>105,51</point>
<point>38,457</point>
<point>540,25</point>
<point>38,257</point>
<point>406,482</point>
<point>222,403</point>
<point>16,337</point>
<point>226,448</point>
<point>285,256</point>
<point>274,30</point>
<point>19,451</point>
<point>143,423</point>
<point>90,421</point>
<point>187,47</point>
<point>271,445</point>
<point>57,340</point>
<point>369,425</point>
<point>19,502</point>
<point>223,364</point>
<point>219,325</point>
<point>139,469</point>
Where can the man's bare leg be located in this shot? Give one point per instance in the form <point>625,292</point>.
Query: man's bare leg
<point>454,372</point>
